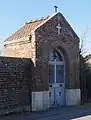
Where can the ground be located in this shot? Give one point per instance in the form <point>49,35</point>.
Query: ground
<point>63,113</point>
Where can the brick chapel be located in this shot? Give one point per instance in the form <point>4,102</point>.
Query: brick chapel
<point>53,47</point>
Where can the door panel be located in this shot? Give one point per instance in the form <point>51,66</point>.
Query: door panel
<point>51,96</point>
<point>59,96</point>
<point>56,84</point>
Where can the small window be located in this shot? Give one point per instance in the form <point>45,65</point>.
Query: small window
<point>30,37</point>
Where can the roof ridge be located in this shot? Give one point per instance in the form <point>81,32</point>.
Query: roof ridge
<point>37,20</point>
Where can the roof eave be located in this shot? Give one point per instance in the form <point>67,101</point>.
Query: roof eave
<point>16,40</point>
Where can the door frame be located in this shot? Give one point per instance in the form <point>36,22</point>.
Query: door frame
<point>59,63</point>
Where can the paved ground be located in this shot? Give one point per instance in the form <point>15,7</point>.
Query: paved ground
<point>63,113</point>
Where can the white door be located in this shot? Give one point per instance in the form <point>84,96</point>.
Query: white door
<point>59,95</point>
<point>56,82</point>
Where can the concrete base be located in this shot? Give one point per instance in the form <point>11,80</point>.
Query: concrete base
<point>73,96</point>
<point>40,100</point>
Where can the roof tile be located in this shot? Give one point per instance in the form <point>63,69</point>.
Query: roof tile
<point>26,29</point>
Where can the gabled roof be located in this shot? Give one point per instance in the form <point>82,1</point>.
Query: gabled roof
<point>32,25</point>
<point>26,29</point>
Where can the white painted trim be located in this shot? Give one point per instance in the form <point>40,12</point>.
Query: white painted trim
<point>73,96</point>
<point>45,21</point>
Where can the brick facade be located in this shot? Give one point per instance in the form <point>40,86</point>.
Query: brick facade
<point>48,39</point>
<point>44,38</point>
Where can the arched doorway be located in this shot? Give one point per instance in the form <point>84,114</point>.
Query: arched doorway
<point>56,78</point>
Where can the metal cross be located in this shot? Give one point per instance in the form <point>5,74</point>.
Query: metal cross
<point>55,8</point>
<point>59,28</point>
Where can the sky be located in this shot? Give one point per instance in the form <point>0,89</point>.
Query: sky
<point>14,13</point>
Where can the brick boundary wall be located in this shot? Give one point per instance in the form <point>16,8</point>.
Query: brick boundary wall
<point>14,92</point>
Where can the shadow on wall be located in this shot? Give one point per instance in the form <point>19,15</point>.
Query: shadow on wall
<point>16,81</point>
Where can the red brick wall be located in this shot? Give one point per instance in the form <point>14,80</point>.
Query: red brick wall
<point>14,91</point>
<point>48,39</point>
